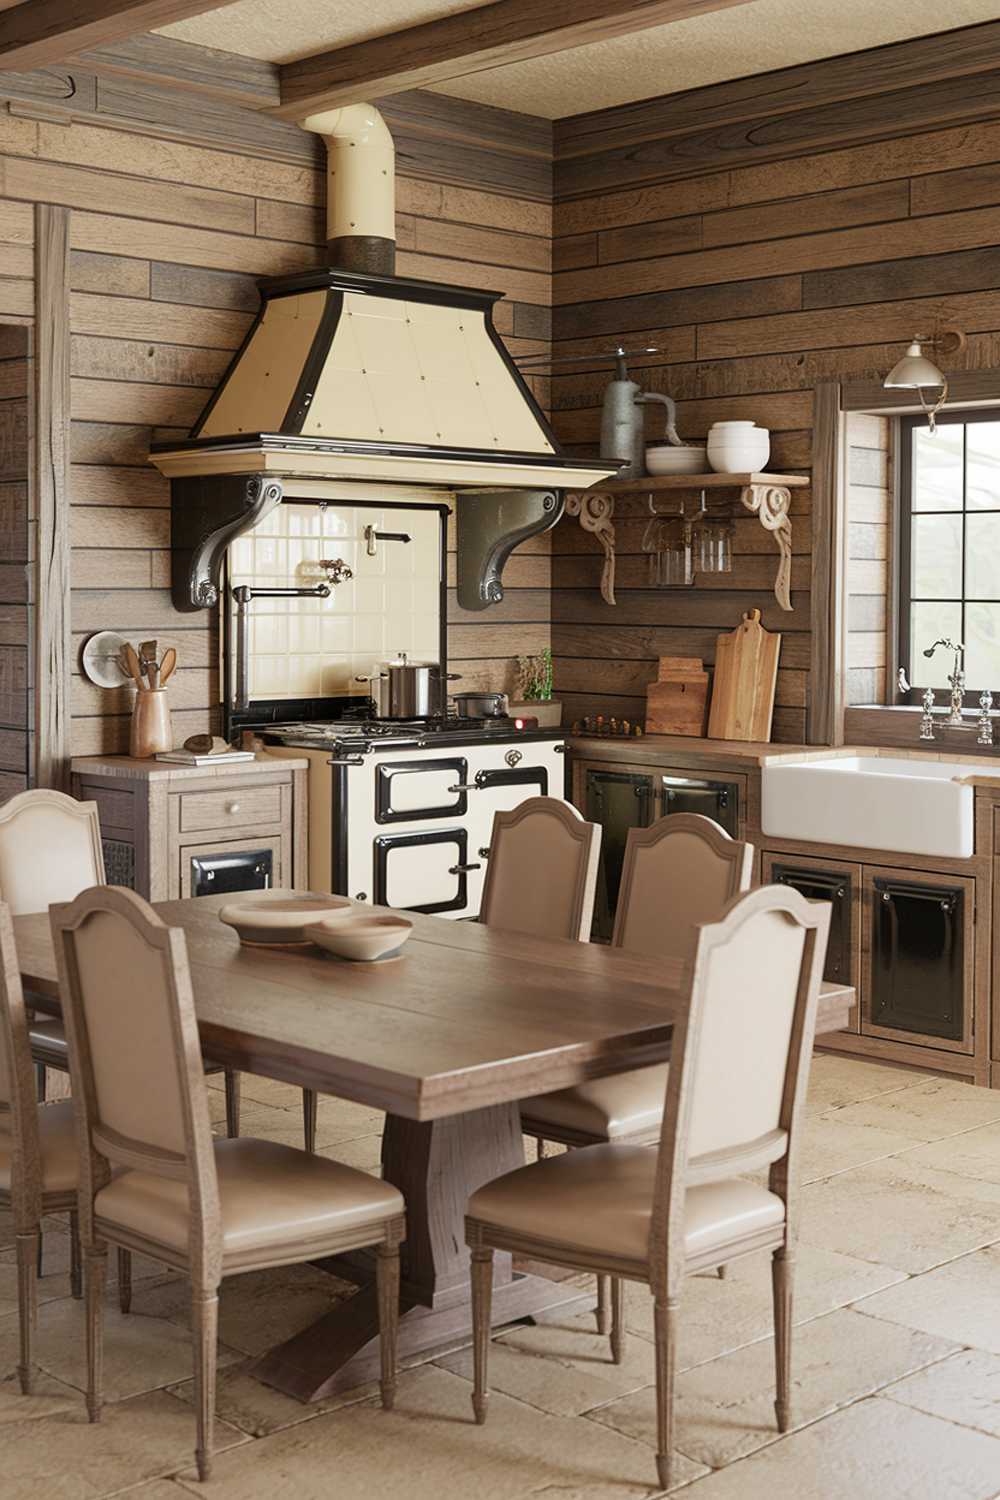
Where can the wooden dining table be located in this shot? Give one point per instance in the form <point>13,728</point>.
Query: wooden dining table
<point>447,1039</point>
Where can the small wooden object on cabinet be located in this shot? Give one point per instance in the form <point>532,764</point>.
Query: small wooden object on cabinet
<point>746,674</point>
<point>676,702</point>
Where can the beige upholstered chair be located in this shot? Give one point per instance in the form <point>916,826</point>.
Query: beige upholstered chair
<point>50,850</point>
<point>542,870</point>
<point>151,1176</point>
<point>38,1157</point>
<point>681,871</point>
<point>678,873</point>
<point>739,1063</point>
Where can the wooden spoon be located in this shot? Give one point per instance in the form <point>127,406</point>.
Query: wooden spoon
<point>167,665</point>
<point>132,663</point>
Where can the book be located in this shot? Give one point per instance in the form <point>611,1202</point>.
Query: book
<point>187,758</point>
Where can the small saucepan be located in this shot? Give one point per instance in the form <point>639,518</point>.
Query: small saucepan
<point>481,705</point>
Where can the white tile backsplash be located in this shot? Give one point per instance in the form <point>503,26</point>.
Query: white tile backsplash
<point>302,648</point>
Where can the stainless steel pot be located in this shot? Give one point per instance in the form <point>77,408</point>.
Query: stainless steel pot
<point>481,705</point>
<point>406,689</point>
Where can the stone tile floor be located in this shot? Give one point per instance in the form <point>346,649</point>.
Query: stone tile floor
<point>897,1352</point>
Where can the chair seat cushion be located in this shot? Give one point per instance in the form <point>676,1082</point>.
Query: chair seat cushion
<point>57,1145</point>
<point>611,1109</point>
<point>599,1200</point>
<point>274,1201</point>
<point>47,1040</point>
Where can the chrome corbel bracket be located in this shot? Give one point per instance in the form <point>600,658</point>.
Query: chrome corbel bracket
<point>490,524</point>
<point>207,512</point>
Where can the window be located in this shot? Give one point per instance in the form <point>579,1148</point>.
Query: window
<point>949,548</point>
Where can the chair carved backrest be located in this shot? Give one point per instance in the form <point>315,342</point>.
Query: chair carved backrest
<point>542,870</point>
<point>50,850</point>
<point>740,1059</point>
<point>18,1106</point>
<point>139,1090</point>
<point>680,872</point>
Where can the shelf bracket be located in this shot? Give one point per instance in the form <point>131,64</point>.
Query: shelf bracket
<point>595,509</point>
<point>771,504</point>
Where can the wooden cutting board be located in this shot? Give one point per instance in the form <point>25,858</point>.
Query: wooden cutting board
<point>676,703</point>
<point>746,672</point>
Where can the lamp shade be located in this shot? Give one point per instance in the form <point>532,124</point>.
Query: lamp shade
<point>913,371</point>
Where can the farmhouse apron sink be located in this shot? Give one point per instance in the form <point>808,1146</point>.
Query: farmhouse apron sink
<point>909,806</point>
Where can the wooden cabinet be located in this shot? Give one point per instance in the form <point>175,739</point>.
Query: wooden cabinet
<point>173,831</point>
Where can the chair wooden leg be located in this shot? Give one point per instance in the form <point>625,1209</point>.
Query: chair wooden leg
<point>75,1263</point>
<point>97,1269</point>
<point>387,1272</point>
<point>41,1082</point>
<point>602,1312</point>
<point>665,1331</point>
<point>124,1280</point>
<point>782,1275</point>
<point>232,1082</point>
<point>617,1319</point>
<point>27,1304</point>
<point>205,1327</point>
<point>310,1112</point>
<point>482,1308</point>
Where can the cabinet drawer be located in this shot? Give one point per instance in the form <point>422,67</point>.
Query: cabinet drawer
<point>242,807</point>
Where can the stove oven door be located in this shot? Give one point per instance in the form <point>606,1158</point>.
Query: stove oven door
<point>427,871</point>
<point>410,791</point>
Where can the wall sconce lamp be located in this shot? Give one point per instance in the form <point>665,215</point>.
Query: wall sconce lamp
<point>916,372</point>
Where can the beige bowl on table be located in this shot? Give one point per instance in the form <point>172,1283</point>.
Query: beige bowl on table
<point>362,939</point>
<point>282,922</point>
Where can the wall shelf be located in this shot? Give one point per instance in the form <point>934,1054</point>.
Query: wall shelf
<point>768,496</point>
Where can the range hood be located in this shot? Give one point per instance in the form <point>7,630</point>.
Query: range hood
<point>351,373</point>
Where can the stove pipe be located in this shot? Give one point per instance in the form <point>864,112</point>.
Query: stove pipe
<point>360,188</point>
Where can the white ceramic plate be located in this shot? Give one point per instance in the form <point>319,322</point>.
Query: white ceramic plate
<point>281,922</point>
<point>362,939</point>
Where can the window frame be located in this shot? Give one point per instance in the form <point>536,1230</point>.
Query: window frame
<point>903,551</point>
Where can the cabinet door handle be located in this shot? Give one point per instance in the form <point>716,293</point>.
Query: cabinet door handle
<point>464,786</point>
<point>232,807</point>
<point>463,869</point>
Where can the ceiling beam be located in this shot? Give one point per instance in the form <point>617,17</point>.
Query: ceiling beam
<point>489,36</point>
<point>43,32</point>
<point>165,63</point>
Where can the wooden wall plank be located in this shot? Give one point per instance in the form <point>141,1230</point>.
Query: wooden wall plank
<point>52,420</point>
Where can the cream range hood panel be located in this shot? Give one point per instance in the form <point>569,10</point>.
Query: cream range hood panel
<point>383,377</point>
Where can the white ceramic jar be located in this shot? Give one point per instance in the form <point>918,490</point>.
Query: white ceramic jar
<point>738,447</point>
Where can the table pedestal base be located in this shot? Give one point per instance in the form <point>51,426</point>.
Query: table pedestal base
<point>436,1165</point>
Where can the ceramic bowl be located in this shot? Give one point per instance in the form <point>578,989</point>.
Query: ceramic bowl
<point>282,923</point>
<point>362,939</point>
<point>738,447</point>
<point>667,458</point>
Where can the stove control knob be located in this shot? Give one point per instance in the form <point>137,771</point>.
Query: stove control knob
<point>361,896</point>
<point>513,758</point>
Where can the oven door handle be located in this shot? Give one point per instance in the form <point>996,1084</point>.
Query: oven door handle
<point>464,786</point>
<point>463,869</point>
<point>346,760</point>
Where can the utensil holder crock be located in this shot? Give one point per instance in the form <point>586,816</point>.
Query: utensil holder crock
<point>151,731</point>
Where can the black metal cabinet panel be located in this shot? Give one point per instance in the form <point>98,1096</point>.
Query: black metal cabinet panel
<point>838,887</point>
<point>719,800</point>
<point>919,980</point>
<point>618,801</point>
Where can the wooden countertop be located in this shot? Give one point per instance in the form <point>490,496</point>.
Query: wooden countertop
<point>125,768</point>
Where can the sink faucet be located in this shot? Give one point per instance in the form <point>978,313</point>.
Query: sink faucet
<point>956,680</point>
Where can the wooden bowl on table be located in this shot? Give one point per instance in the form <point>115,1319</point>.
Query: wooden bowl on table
<point>282,922</point>
<point>362,939</point>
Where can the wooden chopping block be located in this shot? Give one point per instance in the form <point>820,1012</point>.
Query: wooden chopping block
<point>676,703</point>
<point>746,674</point>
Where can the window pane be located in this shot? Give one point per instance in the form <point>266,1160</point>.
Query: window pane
<point>936,562</point>
<point>937,467</point>
<point>982,445</point>
<point>982,647</point>
<point>930,623</point>
<point>982,556</point>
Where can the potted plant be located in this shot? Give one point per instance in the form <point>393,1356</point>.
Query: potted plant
<point>534,690</point>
